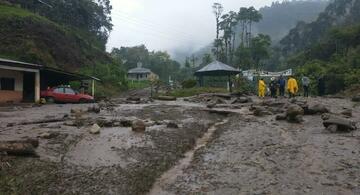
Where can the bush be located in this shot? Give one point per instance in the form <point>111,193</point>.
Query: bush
<point>187,84</point>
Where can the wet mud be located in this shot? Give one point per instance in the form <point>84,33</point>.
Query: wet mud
<point>222,150</point>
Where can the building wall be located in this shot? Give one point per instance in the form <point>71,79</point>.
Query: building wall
<point>139,77</point>
<point>17,94</point>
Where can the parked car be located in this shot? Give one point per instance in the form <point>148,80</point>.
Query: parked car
<point>65,95</point>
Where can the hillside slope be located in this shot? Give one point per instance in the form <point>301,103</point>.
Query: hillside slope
<point>279,18</point>
<point>29,37</point>
<point>338,13</point>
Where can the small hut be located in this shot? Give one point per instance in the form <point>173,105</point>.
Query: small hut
<point>139,73</point>
<point>217,69</point>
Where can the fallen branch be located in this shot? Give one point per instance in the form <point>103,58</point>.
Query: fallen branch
<point>43,121</point>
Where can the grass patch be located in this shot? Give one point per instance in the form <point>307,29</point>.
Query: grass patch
<point>196,91</point>
<point>138,84</point>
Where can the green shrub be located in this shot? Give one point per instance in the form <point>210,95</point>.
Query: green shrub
<point>187,84</point>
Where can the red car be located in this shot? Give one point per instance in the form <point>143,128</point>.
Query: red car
<point>65,95</point>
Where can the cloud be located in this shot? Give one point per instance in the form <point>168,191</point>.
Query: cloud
<point>168,24</point>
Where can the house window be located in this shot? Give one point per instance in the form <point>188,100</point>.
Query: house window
<point>7,84</point>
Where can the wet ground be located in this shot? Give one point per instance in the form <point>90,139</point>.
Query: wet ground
<point>209,152</point>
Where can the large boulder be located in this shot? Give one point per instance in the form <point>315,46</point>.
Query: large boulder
<point>294,110</point>
<point>337,123</point>
<point>294,113</point>
<point>138,126</point>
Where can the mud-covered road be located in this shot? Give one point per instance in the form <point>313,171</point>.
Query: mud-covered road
<point>222,150</point>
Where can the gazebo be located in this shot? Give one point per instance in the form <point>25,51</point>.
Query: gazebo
<point>217,68</point>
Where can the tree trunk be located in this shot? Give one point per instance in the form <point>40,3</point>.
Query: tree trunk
<point>18,147</point>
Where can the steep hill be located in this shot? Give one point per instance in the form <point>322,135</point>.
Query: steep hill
<point>279,18</point>
<point>304,35</point>
<point>29,37</point>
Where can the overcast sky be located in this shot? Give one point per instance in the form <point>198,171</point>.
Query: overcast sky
<point>168,24</point>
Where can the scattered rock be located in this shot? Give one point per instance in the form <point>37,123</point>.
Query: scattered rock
<point>76,111</point>
<point>317,109</point>
<point>172,125</point>
<point>280,117</point>
<point>259,110</point>
<point>138,126</point>
<point>166,98</point>
<point>94,109</point>
<point>241,100</point>
<point>336,123</point>
<point>126,122</point>
<point>134,98</point>
<point>95,129</point>
<point>294,113</point>
<point>347,113</point>
<point>356,98</point>
<point>48,135</point>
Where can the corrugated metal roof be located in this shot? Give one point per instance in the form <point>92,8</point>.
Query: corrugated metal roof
<point>21,64</point>
<point>219,67</point>
<point>139,70</point>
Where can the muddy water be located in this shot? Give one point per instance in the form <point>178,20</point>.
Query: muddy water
<point>171,175</point>
<point>108,148</point>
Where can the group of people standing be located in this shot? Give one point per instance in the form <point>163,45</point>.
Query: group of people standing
<point>277,86</point>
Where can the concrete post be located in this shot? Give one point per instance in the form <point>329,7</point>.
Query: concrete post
<point>37,86</point>
<point>93,88</point>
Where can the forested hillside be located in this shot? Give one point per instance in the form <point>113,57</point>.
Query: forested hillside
<point>280,17</point>
<point>328,48</point>
<point>338,13</point>
<point>277,20</point>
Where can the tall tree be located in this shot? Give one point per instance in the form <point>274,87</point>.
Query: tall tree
<point>217,10</point>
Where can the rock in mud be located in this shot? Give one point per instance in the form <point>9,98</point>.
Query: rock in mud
<point>48,135</point>
<point>94,109</point>
<point>76,111</point>
<point>134,99</point>
<point>166,98</point>
<point>259,110</point>
<point>138,126</point>
<point>336,123</point>
<point>172,125</point>
<point>356,98</point>
<point>347,113</point>
<point>17,148</point>
<point>241,100</point>
<point>95,129</point>
<point>280,117</point>
<point>294,113</point>
<point>317,109</point>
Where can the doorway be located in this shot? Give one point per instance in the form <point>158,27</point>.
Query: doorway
<point>29,87</point>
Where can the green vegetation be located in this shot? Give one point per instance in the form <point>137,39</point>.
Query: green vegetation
<point>191,83</point>
<point>27,36</point>
<point>196,91</point>
<point>138,84</point>
<point>327,48</point>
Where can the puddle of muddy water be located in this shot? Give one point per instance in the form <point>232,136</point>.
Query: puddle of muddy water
<point>171,175</point>
<point>108,148</point>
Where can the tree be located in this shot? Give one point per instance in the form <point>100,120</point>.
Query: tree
<point>260,47</point>
<point>217,10</point>
<point>206,59</point>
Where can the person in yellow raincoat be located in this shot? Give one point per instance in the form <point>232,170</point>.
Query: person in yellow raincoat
<point>292,87</point>
<point>262,88</point>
